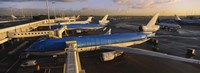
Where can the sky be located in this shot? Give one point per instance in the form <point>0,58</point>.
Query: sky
<point>102,7</point>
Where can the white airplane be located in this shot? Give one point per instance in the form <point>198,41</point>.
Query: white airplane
<point>187,21</point>
<point>19,19</point>
<point>165,25</point>
<point>116,42</point>
<point>78,22</point>
<point>67,19</point>
<point>104,20</point>
<point>4,21</point>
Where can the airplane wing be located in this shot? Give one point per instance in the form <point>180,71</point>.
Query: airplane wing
<point>151,53</point>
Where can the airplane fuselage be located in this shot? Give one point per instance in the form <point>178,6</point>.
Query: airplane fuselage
<point>80,26</point>
<point>76,22</point>
<point>169,25</point>
<point>87,43</point>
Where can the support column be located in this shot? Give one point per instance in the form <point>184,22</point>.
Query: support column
<point>73,64</point>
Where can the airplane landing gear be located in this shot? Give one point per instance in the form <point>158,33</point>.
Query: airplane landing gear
<point>154,44</point>
<point>155,48</point>
<point>190,52</point>
<point>2,46</point>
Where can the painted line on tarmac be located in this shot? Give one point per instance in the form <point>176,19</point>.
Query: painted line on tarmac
<point>12,65</point>
<point>3,59</point>
<point>19,47</point>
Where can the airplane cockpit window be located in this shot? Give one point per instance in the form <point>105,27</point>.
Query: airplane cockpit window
<point>33,47</point>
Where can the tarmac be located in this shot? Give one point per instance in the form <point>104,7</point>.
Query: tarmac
<point>173,42</point>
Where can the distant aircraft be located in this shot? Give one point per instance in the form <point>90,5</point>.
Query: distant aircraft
<point>78,22</point>
<point>68,19</point>
<point>110,41</point>
<point>187,21</point>
<point>165,25</point>
<point>84,27</point>
<point>169,26</point>
<point>4,21</point>
<point>19,19</point>
<point>80,27</point>
<point>75,17</point>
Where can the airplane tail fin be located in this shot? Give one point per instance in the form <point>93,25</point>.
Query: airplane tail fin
<point>104,28</point>
<point>151,27</point>
<point>14,17</point>
<point>78,17</point>
<point>153,20</point>
<point>104,20</point>
<point>177,17</point>
<point>105,17</point>
<point>89,19</point>
<point>108,32</point>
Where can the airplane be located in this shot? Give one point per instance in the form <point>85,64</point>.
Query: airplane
<point>75,17</point>
<point>118,42</point>
<point>169,26</point>
<point>14,18</point>
<point>187,21</point>
<point>68,19</point>
<point>81,28</point>
<point>4,21</point>
<point>90,43</point>
<point>78,22</point>
<point>19,19</point>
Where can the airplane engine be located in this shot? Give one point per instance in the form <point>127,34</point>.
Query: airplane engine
<point>149,28</point>
<point>108,56</point>
<point>79,31</point>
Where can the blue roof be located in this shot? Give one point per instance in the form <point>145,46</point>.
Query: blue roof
<point>78,26</point>
<point>85,41</point>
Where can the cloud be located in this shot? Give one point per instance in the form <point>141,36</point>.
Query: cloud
<point>142,3</point>
<point>40,0</point>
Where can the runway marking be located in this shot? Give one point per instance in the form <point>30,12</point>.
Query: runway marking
<point>3,59</point>
<point>12,65</point>
<point>18,48</point>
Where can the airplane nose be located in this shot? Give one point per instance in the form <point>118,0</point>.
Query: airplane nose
<point>28,50</point>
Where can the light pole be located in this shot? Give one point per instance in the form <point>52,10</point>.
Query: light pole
<point>31,14</point>
<point>22,13</point>
<point>63,12</point>
<point>54,9</point>
<point>11,12</point>
<point>48,13</point>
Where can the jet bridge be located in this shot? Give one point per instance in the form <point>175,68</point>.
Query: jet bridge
<point>4,32</point>
<point>51,33</point>
<point>72,63</point>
